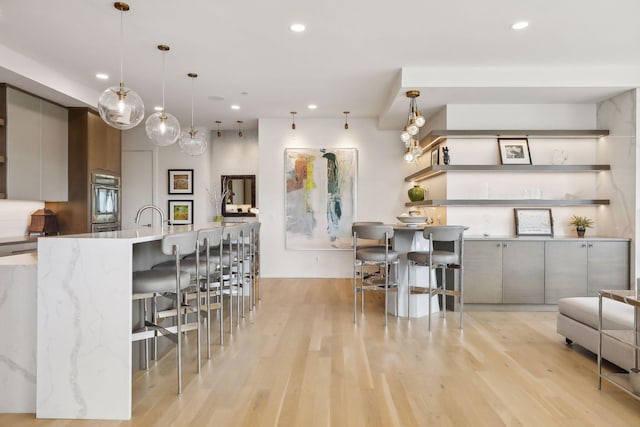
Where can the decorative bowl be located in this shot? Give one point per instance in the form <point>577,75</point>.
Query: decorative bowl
<point>412,219</point>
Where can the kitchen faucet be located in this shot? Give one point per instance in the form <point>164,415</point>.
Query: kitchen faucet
<point>144,208</point>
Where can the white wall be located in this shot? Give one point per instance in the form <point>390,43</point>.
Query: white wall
<point>163,159</point>
<point>498,220</point>
<point>619,115</point>
<point>381,191</point>
<point>232,155</point>
<point>15,216</point>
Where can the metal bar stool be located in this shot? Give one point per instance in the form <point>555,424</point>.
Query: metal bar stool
<point>381,256</point>
<point>155,282</point>
<point>439,259</point>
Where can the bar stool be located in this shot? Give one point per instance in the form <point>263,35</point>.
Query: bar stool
<point>381,256</point>
<point>229,253</point>
<point>159,282</point>
<point>453,235</point>
<point>255,262</point>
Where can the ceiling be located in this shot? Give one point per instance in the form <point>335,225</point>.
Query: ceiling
<point>356,55</point>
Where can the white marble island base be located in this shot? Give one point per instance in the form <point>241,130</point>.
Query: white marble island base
<point>18,333</point>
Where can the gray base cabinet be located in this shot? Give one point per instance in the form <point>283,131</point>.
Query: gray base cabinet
<point>583,268</point>
<point>509,272</point>
<point>542,271</point>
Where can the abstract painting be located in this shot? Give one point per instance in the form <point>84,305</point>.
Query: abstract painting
<point>320,199</point>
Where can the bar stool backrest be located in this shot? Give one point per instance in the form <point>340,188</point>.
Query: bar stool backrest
<point>212,235</point>
<point>182,243</point>
<point>372,231</point>
<point>443,233</point>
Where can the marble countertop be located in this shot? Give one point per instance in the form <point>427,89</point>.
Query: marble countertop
<point>145,234</point>
<point>17,239</point>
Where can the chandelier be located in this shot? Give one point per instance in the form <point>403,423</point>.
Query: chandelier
<point>415,120</point>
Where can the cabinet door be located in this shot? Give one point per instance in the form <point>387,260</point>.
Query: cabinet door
<point>103,145</point>
<point>608,266</point>
<point>565,270</point>
<point>523,272</point>
<point>53,147</point>
<point>23,146</point>
<point>483,272</point>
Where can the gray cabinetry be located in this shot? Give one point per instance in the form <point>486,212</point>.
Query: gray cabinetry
<point>36,148</point>
<point>583,268</point>
<point>509,272</point>
<point>542,271</point>
<point>522,272</point>
<point>483,271</point>
<point>565,270</point>
<point>608,266</point>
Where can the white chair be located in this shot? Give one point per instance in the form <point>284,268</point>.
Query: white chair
<point>380,256</point>
<point>446,235</point>
<point>149,284</point>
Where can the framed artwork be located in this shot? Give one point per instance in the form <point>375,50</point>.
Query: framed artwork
<point>180,181</point>
<point>435,156</point>
<point>514,151</point>
<point>533,222</point>
<point>320,197</point>
<point>180,212</point>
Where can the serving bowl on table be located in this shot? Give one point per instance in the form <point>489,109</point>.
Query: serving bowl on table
<point>411,220</point>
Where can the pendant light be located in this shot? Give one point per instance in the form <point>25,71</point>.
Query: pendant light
<point>240,134</point>
<point>192,142</point>
<point>120,106</point>
<point>346,123</point>
<point>162,128</point>
<point>218,122</point>
<point>293,120</point>
<point>415,120</point>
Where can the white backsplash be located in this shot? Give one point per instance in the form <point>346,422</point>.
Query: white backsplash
<point>15,216</point>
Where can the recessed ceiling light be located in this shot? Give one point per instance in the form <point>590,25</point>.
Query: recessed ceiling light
<point>520,25</point>
<point>297,28</point>
<point>235,107</point>
<point>158,108</point>
<point>102,76</point>
<point>216,98</point>
<point>312,106</point>
<point>244,93</point>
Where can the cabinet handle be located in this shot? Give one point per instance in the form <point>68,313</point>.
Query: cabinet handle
<point>590,245</point>
<point>504,245</point>
<point>499,244</point>
<point>584,245</point>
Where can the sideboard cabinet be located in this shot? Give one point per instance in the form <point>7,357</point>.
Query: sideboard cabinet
<point>541,271</point>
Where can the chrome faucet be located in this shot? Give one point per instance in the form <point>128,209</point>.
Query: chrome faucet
<point>144,208</point>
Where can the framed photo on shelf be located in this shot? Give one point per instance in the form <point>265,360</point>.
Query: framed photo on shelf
<point>180,181</point>
<point>435,156</point>
<point>533,222</point>
<point>180,212</point>
<point>514,151</point>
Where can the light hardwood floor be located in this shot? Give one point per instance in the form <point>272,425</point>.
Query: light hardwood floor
<point>299,360</point>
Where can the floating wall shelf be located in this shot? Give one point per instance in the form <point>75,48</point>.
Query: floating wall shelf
<point>436,136</point>
<point>508,202</point>
<point>431,171</point>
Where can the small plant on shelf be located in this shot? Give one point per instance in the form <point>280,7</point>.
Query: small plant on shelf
<point>581,223</point>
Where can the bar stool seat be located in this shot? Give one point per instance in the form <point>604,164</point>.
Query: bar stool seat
<point>157,281</point>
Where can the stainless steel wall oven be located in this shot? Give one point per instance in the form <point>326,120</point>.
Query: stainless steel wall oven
<point>105,202</point>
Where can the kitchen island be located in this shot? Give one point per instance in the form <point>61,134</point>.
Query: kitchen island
<point>84,361</point>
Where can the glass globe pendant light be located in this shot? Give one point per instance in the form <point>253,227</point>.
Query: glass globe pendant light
<point>162,128</point>
<point>192,142</point>
<point>120,106</point>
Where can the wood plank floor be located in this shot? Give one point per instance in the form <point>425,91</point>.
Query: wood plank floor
<point>299,360</point>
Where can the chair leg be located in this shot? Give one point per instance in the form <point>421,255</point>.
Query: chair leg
<point>355,293</point>
<point>443,273</point>
<point>430,292</point>
<point>179,332</point>
<point>146,341</point>
<point>386,294</point>
<point>461,297</point>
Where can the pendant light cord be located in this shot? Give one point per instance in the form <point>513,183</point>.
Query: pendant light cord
<point>163,55</point>
<point>121,47</point>
<point>192,81</point>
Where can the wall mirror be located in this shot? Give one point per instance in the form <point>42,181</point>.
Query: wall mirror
<point>240,196</point>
